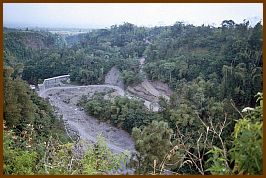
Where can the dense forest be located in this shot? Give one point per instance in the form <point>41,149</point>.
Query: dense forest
<point>212,123</point>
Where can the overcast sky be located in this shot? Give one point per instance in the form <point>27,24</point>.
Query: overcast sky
<point>101,15</point>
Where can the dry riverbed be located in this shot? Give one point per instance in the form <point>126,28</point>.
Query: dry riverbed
<point>87,127</point>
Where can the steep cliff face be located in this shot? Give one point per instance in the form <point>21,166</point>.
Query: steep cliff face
<point>23,45</point>
<point>113,77</point>
<point>30,39</point>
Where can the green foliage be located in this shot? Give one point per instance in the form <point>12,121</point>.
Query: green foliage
<point>99,159</point>
<point>58,159</point>
<point>232,52</point>
<point>18,105</point>
<point>247,148</point>
<point>152,142</point>
<point>130,77</point>
<point>29,121</point>
<point>213,72</point>
<point>247,144</point>
<point>246,151</point>
<point>122,112</point>
<point>23,106</point>
<point>218,162</point>
<point>96,108</point>
<point>17,160</point>
<point>87,60</point>
<point>23,157</point>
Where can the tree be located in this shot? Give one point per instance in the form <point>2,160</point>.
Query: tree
<point>152,143</point>
<point>169,67</point>
<point>228,24</point>
<point>246,151</point>
<point>99,159</point>
<point>247,144</point>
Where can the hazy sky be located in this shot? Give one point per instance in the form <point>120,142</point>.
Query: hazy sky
<point>100,15</point>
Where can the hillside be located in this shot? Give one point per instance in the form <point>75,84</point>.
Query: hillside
<point>182,99</point>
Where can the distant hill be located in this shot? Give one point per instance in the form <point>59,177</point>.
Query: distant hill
<point>20,43</point>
